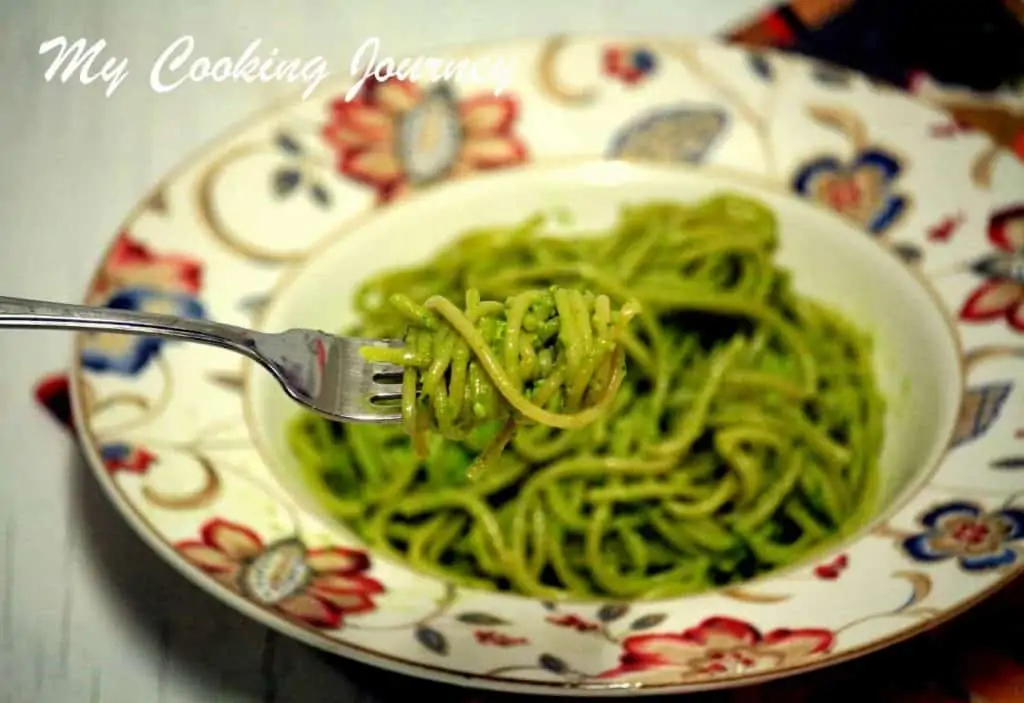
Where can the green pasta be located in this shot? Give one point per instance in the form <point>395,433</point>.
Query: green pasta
<point>745,435</point>
<point>550,357</point>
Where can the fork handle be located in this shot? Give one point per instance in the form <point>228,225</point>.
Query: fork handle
<point>22,313</point>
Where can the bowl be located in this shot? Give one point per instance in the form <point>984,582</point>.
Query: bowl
<point>917,355</point>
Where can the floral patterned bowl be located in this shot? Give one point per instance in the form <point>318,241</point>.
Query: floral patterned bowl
<point>929,226</point>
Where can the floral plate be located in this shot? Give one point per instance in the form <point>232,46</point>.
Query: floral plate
<point>169,428</point>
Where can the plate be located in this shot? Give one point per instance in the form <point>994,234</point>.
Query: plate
<point>920,229</point>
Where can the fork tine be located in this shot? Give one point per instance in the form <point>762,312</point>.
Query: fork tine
<point>381,389</point>
<point>363,389</point>
<point>390,370</point>
<point>386,382</point>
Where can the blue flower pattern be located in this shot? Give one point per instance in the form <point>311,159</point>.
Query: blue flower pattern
<point>979,540</point>
<point>128,355</point>
<point>861,190</point>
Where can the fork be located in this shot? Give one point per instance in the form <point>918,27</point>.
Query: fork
<point>324,372</point>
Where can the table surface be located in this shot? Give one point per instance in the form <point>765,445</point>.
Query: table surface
<point>87,613</point>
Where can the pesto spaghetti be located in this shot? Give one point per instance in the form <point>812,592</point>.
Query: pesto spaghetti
<point>745,433</point>
<point>549,357</point>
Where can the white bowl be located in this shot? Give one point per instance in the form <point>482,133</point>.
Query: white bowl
<point>917,356</point>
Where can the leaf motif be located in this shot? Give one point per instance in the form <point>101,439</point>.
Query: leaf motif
<point>612,611</point>
<point>227,380</point>
<point>285,181</point>
<point>910,253</point>
<point>760,65</point>
<point>741,594</point>
<point>320,195</point>
<point>920,584</point>
<point>432,640</point>
<point>288,143</point>
<point>158,202</point>
<point>646,622</point>
<point>830,75</point>
<point>983,166</point>
<point>678,134</point>
<point>1003,266</point>
<point>1009,462</point>
<point>885,531</point>
<point>549,662</point>
<point>843,121</point>
<point>981,406</point>
<point>484,619</point>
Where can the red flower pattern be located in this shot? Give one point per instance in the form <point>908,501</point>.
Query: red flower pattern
<point>318,587</point>
<point>574,622</point>
<point>120,456</point>
<point>718,646</point>
<point>863,190</point>
<point>833,569</point>
<point>629,64</point>
<point>395,136</point>
<point>135,278</point>
<point>498,639</point>
<point>132,264</point>
<point>1001,296</point>
<point>946,228</point>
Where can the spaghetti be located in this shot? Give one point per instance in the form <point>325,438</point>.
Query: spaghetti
<point>745,433</point>
<point>548,357</point>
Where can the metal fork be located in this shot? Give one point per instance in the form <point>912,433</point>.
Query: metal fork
<point>324,372</point>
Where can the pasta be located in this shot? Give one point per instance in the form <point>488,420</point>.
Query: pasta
<point>550,357</point>
<point>745,434</point>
